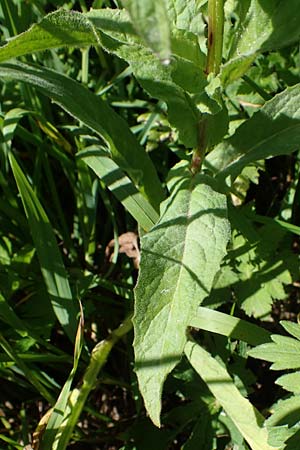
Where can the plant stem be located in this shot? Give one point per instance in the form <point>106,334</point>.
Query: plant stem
<point>215,36</point>
<point>213,62</point>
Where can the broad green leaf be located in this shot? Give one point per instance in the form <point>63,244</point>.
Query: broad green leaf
<point>58,29</point>
<point>180,257</point>
<point>261,28</point>
<point>272,131</point>
<point>150,19</point>
<point>187,15</point>
<point>97,115</point>
<point>164,82</point>
<point>233,327</point>
<point>246,417</point>
<point>283,352</point>
<point>121,186</point>
<point>52,267</point>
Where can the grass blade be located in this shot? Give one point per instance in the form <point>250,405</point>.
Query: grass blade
<point>121,186</point>
<point>49,256</point>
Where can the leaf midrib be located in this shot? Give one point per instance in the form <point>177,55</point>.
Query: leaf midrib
<point>182,267</point>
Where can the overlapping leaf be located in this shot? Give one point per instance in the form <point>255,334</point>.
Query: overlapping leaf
<point>164,82</point>
<point>262,27</point>
<point>180,257</point>
<point>121,186</point>
<point>245,416</point>
<point>150,20</point>
<point>51,262</point>
<point>58,29</point>
<point>98,116</point>
<point>283,352</point>
<point>274,130</point>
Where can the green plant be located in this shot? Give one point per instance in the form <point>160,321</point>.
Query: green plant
<point>197,246</point>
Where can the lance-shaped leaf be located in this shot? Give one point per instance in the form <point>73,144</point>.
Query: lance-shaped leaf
<point>272,131</point>
<point>58,29</point>
<point>180,257</point>
<point>97,115</point>
<point>150,19</point>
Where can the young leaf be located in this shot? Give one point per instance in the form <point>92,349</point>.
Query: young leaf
<point>180,257</point>
<point>50,259</point>
<point>272,131</point>
<point>150,19</point>
<point>97,115</point>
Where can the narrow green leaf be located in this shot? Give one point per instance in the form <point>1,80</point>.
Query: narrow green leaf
<point>58,29</point>
<point>11,121</point>
<point>180,256</point>
<point>53,428</point>
<point>50,259</point>
<point>11,442</point>
<point>8,316</point>
<point>31,376</point>
<point>150,19</point>
<point>98,116</point>
<point>244,415</point>
<point>78,396</point>
<point>233,327</point>
<point>272,131</point>
<point>120,185</point>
